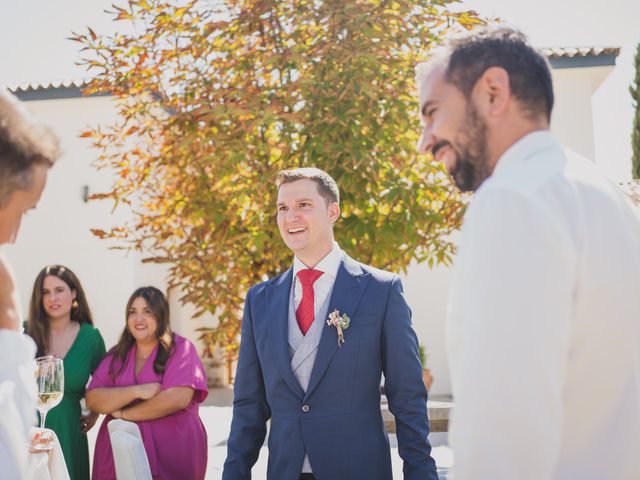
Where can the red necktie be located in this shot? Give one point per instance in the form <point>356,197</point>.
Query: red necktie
<point>304,313</point>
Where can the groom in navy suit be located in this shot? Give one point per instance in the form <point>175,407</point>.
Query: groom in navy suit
<point>319,383</point>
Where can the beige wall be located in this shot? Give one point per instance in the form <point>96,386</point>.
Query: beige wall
<point>427,292</point>
<point>572,119</point>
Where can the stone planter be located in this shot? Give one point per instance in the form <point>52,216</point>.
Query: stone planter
<point>427,378</point>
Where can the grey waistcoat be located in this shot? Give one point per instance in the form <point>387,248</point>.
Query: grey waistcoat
<point>303,348</point>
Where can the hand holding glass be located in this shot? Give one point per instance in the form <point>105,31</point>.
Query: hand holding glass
<point>50,381</point>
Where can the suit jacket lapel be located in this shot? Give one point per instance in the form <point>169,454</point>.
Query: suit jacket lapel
<point>348,288</point>
<point>277,313</point>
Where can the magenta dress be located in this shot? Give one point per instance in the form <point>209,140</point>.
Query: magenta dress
<point>176,445</point>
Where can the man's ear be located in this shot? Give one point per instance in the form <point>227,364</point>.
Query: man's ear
<point>334,212</point>
<point>492,92</point>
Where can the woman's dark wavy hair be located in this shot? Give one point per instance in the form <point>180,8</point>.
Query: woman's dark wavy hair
<point>38,321</point>
<point>160,308</point>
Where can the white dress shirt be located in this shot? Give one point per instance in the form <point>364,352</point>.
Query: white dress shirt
<point>323,286</point>
<point>17,384</point>
<point>544,323</point>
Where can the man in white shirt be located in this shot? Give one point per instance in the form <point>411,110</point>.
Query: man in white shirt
<point>319,381</point>
<point>544,320</point>
<point>27,150</point>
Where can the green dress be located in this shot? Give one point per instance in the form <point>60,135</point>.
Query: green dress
<point>79,363</point>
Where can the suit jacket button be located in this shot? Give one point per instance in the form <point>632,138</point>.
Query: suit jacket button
<point>305,408</point>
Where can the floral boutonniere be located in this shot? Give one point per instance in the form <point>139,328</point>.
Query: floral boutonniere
<point>341,322</point>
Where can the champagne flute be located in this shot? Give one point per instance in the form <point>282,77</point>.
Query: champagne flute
<point>50,381</point>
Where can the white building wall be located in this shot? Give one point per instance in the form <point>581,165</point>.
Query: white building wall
<point>572,118</point>
<point>427,292</point>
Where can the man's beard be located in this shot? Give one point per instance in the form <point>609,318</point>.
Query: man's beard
<point>471,166</point>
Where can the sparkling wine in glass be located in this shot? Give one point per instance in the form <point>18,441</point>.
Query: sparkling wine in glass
<point>50,381</point>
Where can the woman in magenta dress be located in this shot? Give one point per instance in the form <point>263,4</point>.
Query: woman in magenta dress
<point>154,378</point>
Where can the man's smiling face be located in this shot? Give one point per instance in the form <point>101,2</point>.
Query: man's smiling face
<point>453,130</point>
<point>305,220</point>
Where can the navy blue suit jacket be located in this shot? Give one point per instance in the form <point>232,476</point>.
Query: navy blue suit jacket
<point>337,421</point>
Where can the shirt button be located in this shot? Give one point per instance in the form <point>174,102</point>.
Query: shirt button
<point>305,408</point>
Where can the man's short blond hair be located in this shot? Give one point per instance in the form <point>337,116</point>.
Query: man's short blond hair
<point>327,186</point>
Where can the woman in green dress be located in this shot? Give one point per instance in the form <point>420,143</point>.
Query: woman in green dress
<point>61,325</point>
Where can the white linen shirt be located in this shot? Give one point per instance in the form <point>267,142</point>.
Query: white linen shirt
<point>323,286</point>
<point>17,401</point>
<point>544,323</point>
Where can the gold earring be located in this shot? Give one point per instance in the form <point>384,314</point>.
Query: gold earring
<point>74,304</point>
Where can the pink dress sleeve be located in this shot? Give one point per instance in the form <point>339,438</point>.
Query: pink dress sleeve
<point>184,369</point>
<point>100,377</point>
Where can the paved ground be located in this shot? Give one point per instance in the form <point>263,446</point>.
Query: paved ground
<point>259,472</point>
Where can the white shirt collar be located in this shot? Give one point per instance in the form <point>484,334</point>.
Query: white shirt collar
<point>528,145</point>
<point>329,264</point>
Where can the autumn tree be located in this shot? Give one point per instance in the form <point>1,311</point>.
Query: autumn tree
<point>635,132</point>
<point>214,99</point>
